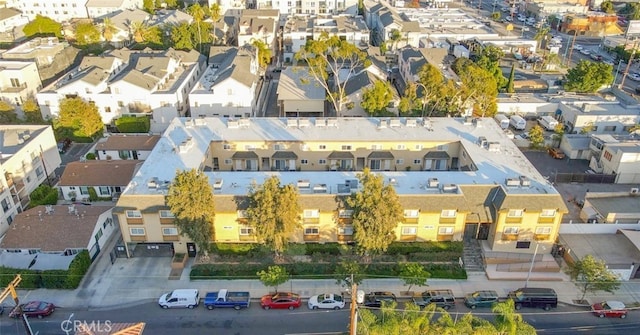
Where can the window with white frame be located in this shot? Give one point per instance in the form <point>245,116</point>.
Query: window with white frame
<point>376,147</point>
<point>278,147</point>
<point>448,213</point>
<point>445,230</point>
<point>246,230</point>
<point>136,231</point>
<point>170,231</point>
<point>515,213</point>
<point>346,147</point>
<point>400,147</point>
<point>322,161</point>
<point>442,147</point>
<point>511,230</point>
<point>322,147</point>
<point>134,214</point>
<point>249,147</point>
<point>304,162</point>
<point>548,213</point>
<point>228,162</point>
<point>400,161</point>
<point>345,213</point>
<point>345,230</point>
<point>543,230</point>
<point>417,161</point>
<point>311,213</point>
<point>409,230</point>
<point>227,146</point>
<point>418,147</point>
<point>104,190</point>
<point>411,213</point>
<point>84,190</point>
<point>165,214</point>
<point>312,231</point>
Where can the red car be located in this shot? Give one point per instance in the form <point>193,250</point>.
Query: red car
<point>615,309</point>
<point>38,309</point>
<point>281,300</point>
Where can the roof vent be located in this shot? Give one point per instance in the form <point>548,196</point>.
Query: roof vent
<point>188,123</point>
<point>152,183</point>
<point>393,181</point>
<point>394,123</point>
<point>482,141</point>
<point>382,124</point>
<point>321,123</point>
<point>332,123</point>
<point>433,183</point>
<point>232,124</point>
<point>304,183</point>
<point>524,181</point>
<point>634,191</point>
<point>512,182</point>
<point>243,123</point>
<point>493,146</point>
<point>217,185</point>
<point>450,188</point>
<point>320,188</point>
<point>292,123</point>
<point>303,123</point>
<point>199,122</point>
<point>412,123</point>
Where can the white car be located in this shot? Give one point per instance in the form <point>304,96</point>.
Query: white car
<point>326,301</point>
<point>508,19</point>
<point>577,47</point>
<point>585,52</point>
<point>634,76</point>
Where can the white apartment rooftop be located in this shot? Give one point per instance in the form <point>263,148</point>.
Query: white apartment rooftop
<point>496,158</point>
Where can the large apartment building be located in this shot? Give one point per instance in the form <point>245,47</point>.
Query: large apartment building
<point>455,178</point>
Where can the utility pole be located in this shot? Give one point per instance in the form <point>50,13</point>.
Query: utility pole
<point>575,33</point>
<point>354,307</point>
<point>626,71</point>
<point>11,290</point>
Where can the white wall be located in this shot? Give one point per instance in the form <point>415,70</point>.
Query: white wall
<point>104,222</point>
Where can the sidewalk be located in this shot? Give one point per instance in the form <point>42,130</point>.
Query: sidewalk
<point>134,281</point>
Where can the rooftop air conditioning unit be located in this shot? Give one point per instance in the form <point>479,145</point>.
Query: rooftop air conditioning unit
<point>512,182</point>
<point>292,123</point>
<point>449,188</point>
<point>524,181</point>
<point>634,191</point>
<point>433,183</point>
<point>412,123</point>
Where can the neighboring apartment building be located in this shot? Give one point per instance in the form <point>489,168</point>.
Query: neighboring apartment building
<point>301,28</point>
<point>28,154</point>
<point>10,19</point>
<point>228,87</point>
<point>106,178</point>
<point>309,7</point>
<point>41,50</point>
<point>454,177</point>
<point>260,25</point>
<point>58,10</point>
<point>616,155</point>
<point>98,9</point>
<point>126,146</point>
<point>128,82</point>
<point>18,81</point>
<point>383,20</point>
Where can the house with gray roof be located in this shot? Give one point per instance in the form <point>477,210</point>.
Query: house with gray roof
<point>365,80</point>
<point>258,24</point>
<point>299,94</point>
<point>383,19</point>
<point>122,21</point>
<point>228,86</point>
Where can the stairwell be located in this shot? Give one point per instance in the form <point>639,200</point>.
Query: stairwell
<point>472,258</point>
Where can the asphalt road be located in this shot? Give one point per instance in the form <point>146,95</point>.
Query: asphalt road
<point>563,320</point>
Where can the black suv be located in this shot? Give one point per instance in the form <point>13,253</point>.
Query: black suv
<point>481,299</point>
<point>442,298</point>
<point>375,299</point>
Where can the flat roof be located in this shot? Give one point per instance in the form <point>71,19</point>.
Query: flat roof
<point>619,205</point>
<point>613,249</point>
<point>185,142</point>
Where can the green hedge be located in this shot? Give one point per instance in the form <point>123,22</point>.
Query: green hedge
<point>132,124</point>
<point>406,248</point>
<point>50,279</point>
<point>327,248</point>
<point>254,249</point>
<point>44,195</point>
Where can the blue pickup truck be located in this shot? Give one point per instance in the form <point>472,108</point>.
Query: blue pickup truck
<point>226,299</point>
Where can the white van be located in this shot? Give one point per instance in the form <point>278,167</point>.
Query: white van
<point>548,122</point>
<point>183,298</point>
<point>502,120</point>
<point>517,122</point>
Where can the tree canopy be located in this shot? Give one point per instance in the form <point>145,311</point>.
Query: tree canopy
<point>274,213</point>
<point>87,33</point>
<point>588,77</point>
<point>592,275</point>
<point>7,113</point>
<point>536,137</point>
<point>80,117</point>
<point>413,274</point>
<point>376,213</point>
<point>32,112</point>
<point>274,276</point>
<point>607,7</point>
<point>190,198</point>
<point>332,62</point>
<point>264,53</point>
<point>182,37</point>
<point>376,99</point>
<point>42,26</point>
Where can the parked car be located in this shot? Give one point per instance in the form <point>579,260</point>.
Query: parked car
<point>375,299</point>
<point>227,299</point>
<point>181,298</point>
<point>615,309</point>
<point>555,153</point>
<point>38,309</point>
<point>63,145</point>
<point>596,57</point>
<point>508,19</point>
<point>535,297</point>
<point>577,47</point>
<point>634,76</point>
<point>442,298</point>
<point>281,300</point>
<point>481,299</point>
<point>326,301</point>
<point>585,52</point>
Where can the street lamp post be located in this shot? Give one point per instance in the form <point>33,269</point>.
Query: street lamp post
<point>533,260</point>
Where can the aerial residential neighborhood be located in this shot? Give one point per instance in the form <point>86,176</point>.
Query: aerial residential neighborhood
<point>188,166</point>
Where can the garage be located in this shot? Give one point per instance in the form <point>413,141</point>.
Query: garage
<point>151,249</point>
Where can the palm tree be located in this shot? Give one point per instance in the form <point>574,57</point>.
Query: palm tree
<point>198,15</point>
<point>108,29</point>
<point>139,31</point>
<point>215,16</point>
<point>264,53</point>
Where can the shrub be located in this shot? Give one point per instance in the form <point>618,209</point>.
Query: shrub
<point>449,271</point>
<point>50,279</point>
<point>446,256</point>
<point>54,279</point>
<point>132,124</point>
<point>405,248</point>
<point>327,248</point>
<point>77,269</point>
<point>232,249</point>
<point>90,156</point>
<point>93,195</point>
<point>296,249</point>
<point>44,195</point>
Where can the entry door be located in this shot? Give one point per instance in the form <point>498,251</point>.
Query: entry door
<point>470,230</point>
<point>191,249</point>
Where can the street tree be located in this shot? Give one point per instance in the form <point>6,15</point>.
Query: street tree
<point>376,213</point>
<point>42,26</point>
<point>512,77</point>
<point>479,87</point>
<point>588,77</point>
<point>536,137</point>
<point>410,101</point>
<point>592,275</point>
<point>32,112</point>
<point>431,81</point>
<point>264,53</point>
<point>87,33</point>
<point>489,60</point>
<point>508,322</point>
<point>182,37</point>
<point>413,274</point>
<point>330,56</point>
<point>274,276</point>
<point>558,132</point>
<point>191,201</point>
<point>395,38</point>
<point>80,117</point>
<point>154,36</point>
<point>495,16</point>
<point>7,113</point>
<point>274,213</point>
<point>376,99</point>
<point>347,270</point>
<point>607,7</point>
<point>108,29</point>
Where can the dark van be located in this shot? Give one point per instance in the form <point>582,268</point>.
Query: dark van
<point>534,297</point>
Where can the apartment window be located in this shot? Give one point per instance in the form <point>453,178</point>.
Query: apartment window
<point>400,147</point>
<point>15,82</point>
<point>322,147</point>
<point>278,147</point>
<point>165,214</point>
<point>226,146</point>
<point>311,213</point>
<point>104,190</point>
<point>376,147</point>
<point>136,231</point>
<point>39,172</point>
<point>227,162</point>
<point>548,213</point>
<point>304,162</point>
<point>411,213</point>
<point>246,230</point>
<point>515,213</point>
<point>609,128</point>
<point>448,213</point>
<point>607,155</point>
<point>84,190</point>
<point>417,161</point>
<point>134,214</point>
<point>442,147</point>
<point>399,161</point>
<point>346,147</point>
<point>543,230</point>
<point>170,231</point>
<point>312,231</point>
<point>107,109</point>
<point>345,230</point>
<point>322,161</point>
<point>249,147</point>
<point>5,204</point>
<point>98,234</point>
<point>418,147</point>
<point>120,103</point>
<point>511,230</point>
<point>345,213</point>
<point>445,231</point>
<point>409,230</point>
